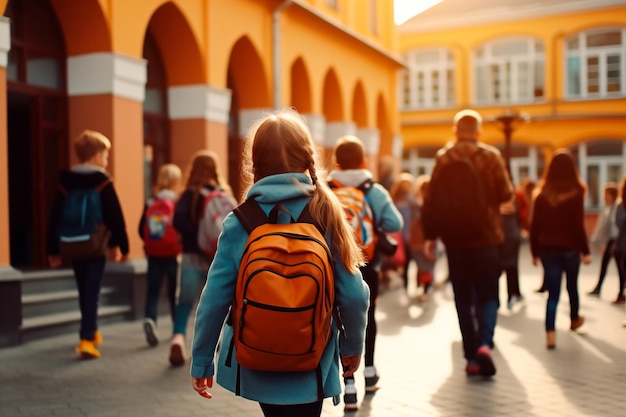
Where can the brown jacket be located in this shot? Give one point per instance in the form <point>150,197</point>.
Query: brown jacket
<point>498,186</point>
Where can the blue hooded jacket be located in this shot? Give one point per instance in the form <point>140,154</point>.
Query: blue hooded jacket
<point>351,298</point>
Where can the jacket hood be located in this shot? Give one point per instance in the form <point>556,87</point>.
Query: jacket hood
<point>281,187</point>
<point>350,177</point>
<point>167,195</point>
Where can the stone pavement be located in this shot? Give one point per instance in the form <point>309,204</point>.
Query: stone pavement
<point>419,358</point>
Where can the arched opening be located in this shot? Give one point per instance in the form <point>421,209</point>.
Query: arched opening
<point>300,87</point>
<point>156,138</point>
<point>249,87</point>
<point>36,124</point>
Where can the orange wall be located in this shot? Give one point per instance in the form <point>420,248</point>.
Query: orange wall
<point>121,121</point>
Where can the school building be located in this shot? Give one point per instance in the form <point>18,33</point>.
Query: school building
<point>163,79</point>
<point>547,75</point>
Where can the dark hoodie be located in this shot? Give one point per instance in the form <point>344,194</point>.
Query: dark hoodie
<point>86,176</point>
<point>558,223</point>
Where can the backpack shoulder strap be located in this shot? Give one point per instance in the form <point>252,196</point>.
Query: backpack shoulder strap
<point>366,185</point>
<point>250,215</point>
<point>307,217</point>
<point>103,184</point>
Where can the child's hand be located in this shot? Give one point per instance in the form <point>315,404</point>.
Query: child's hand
<point>200,385</point>
<point>350,364</point>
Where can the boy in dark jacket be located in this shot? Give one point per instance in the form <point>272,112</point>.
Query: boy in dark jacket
<point>92,150</point>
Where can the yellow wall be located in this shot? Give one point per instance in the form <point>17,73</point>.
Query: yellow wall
<point>554,122</point>
<point>202,43</point>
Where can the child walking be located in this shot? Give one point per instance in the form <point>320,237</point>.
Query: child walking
<point>403,196</point>
<point>424,259</point>
<point>202,176</point>
<point>558,238</point>
<point>605,236</point>
<point>281,162</point>
<point>350,171</point>
<point>162,246</point>
<point>92,149</point>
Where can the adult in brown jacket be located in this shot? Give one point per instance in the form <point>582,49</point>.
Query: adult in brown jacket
<point>558,237</point>
<point>473,263</point>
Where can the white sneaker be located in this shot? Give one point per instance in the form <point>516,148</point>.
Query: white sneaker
<point>350,397</point>
<point>371,379</point>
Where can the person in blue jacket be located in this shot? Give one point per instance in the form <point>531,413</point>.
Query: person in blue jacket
<point>280,162</point>
<point>351,171</point>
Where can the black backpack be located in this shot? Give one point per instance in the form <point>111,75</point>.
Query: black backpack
<point>456,206</point>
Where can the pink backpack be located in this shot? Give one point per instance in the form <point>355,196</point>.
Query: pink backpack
<point>217,204</point>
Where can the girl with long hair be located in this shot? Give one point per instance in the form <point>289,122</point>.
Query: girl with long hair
<point>280,167</point>
<point>558,238</point>
<point>203,175</point>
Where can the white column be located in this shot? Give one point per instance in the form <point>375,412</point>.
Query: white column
<point>317,126</point>
<point>247,118</point>
<point>107,73</point>
<point>5,40</point>
<point>371,140</point>
<point>335,130</point>
<point>199,101</point>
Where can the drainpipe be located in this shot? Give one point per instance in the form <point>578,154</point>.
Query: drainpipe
<point>276,51</point>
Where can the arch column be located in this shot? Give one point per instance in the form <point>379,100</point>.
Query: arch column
<point>105,93</point>
<point>198,120</point>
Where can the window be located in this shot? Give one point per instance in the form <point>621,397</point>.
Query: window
<point>595,62</point>
<point>428,81</point>
<point>509,71</point>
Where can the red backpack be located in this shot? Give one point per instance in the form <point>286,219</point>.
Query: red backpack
<point>159,235</point>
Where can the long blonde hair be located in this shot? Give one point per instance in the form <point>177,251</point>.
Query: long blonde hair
<point>281,143</point>
<point>203,170</point>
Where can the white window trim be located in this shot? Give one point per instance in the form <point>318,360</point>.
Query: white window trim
<point>441,67</point>
<point>582,53</point>
<point>531,59</point>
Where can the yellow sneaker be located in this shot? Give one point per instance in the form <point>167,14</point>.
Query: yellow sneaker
<point>97,338</point>
<point>86,349</point>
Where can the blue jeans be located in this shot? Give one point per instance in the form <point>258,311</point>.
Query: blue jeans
<point>193,274</point>
<point>157,269</point>
<point>474,273</point>
<point>88,275</point>
<point>554,264</point>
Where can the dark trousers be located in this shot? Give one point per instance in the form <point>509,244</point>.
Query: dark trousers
<point>474,273</point>
<point>158,268</point>
<point>604,264</point>
<point>88,275</point>
<point>292,410</point>
<point>512,282</point>
<point>555,263</point>
<point>371,278</point>
<point>370,275</point>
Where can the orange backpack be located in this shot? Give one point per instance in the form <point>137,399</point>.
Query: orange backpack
<point>359,214</point>
<point>285,294</point>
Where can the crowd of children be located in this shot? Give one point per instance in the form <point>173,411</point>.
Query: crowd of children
<point>183,219</point>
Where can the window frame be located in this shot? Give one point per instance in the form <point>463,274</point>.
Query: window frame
<point>582,54</point>
<point>435,96</point>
